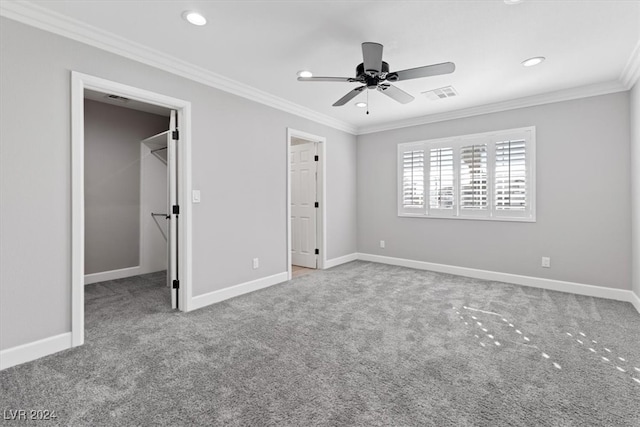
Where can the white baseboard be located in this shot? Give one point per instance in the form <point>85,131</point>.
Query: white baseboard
<point>635,300</point>
<point>234,291</point>
<point>34,350</point>
<point>536,282</point>
<point>112,275</point>
<point>340,260</point>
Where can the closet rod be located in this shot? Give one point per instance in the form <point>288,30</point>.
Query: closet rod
<point>158,149</point>
<point>160,214</point>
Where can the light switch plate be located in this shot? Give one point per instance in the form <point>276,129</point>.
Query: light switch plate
<point>196,196</point>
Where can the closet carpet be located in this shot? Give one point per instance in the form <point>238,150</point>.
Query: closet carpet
<point>362,344</point>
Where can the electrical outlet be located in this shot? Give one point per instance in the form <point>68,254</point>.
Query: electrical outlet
<point>546,262</point>
<point>256,263</point>
<point>382,244</point>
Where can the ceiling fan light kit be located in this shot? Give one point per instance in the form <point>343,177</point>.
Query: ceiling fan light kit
<point>373,73</point>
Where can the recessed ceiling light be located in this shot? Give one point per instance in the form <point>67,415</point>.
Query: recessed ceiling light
<point>305,73</point>
<point>512,1</point>
<point>533,61</point>
<point>361,104</point>
<point>194,17</point>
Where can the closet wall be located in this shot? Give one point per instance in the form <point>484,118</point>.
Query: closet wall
<point>153,194</point>
<point>112,183</point>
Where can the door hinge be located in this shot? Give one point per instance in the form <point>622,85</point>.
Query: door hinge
<point>316,158</point>
<point>176,210</point>
<point>175,135</point>
<point>317,205</point>
<point>176,284</point>
<point>317,251</point>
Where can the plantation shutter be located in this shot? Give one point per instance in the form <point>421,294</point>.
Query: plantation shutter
<point>441,179</point>
<point>473,177</point>
<point>487,176</point>
<point>413,169</point>
<point>510,180</point>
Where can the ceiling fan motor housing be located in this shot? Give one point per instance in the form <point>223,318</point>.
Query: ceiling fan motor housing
<point>372,77</point>
<point>360,69</point>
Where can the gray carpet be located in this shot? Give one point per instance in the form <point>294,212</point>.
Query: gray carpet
<point>361,344</point>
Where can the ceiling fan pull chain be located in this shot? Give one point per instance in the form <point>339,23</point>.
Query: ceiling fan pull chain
<point>367,101</point>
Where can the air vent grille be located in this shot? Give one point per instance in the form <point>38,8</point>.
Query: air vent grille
<point>441,93</point>
<point>117,98</point>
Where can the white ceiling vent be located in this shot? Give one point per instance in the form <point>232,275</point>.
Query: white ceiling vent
<point>117,98</point>
<point>441,93</point>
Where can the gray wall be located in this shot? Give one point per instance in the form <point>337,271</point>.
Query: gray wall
<point>112,183</point>
<point>242,214</point>
<point>635,185</point>
<point>583,203</point>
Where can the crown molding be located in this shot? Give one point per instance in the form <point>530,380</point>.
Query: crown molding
<point>45,19</point>
<point>529,101</point>
<point>631,71</point>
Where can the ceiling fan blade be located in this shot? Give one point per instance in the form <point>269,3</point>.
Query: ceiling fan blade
<point>349,96</point>
<point>395,93</point>
<point>426,71</point>
<point>372,55</point>
<point>327,79</point>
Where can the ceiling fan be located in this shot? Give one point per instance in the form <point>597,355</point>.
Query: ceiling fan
<point>374,73</point>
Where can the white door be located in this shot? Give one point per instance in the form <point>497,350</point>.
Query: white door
<point>173,210</point>
<point>303,205</point>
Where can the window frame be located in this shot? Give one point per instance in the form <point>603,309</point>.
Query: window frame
<point>528,134</point>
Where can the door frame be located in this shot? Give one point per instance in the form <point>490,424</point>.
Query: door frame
<point>321,192</point>
<point>80,82</point>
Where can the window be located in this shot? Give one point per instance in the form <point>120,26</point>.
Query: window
<point>473,177</point>
<point>441,179</point>
<point>481,176</point>
<point>413,179</point>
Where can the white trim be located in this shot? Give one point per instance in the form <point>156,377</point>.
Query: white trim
<point>334,262</point>
<point>209,298</point>
<point>80,82</point>
<point>631,71</point>
<point>77,210</point>
<point>60,24</point>
<point>321,230</point>
<point>472,218</point>
<point>184,200</point>
<point>65,26</point>
<point>34,350</point>
<point>120,273</point>
<point>635,300</point>
<point>535,282</point>
<point>529,101</point>
<point>455,144</point>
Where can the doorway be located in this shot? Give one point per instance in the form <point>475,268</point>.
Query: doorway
<point>176,142</point>
<point>306,208</point>
<point>124,182</point>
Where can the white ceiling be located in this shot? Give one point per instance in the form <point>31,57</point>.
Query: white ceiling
<point>264,43</point>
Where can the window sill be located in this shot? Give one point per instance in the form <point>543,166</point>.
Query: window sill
<point>472,218</point>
